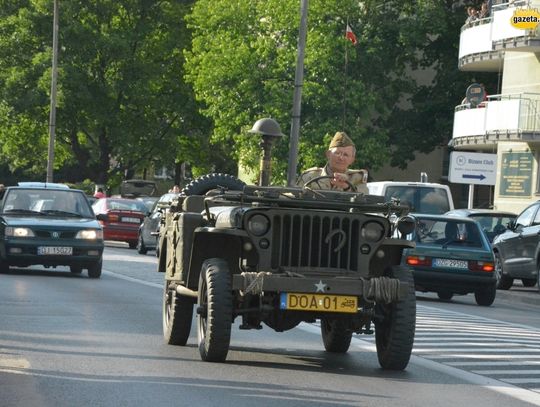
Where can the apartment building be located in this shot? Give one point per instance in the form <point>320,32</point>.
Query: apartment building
<point>506,124</point>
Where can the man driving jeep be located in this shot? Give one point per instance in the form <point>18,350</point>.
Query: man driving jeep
<point>340,155</point>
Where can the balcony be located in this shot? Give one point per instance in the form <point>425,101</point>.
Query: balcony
<point>483,42</point>
<point>514,117</point>
<point>508,38</point>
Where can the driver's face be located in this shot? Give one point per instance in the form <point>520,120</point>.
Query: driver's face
<point>339,158</point>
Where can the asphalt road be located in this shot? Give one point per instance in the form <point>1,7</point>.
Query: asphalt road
<point>70,341</point>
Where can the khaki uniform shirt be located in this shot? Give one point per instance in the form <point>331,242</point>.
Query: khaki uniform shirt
<point>356,177</point>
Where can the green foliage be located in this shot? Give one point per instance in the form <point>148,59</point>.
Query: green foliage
<point>243,60</point>
<point>121,99</point>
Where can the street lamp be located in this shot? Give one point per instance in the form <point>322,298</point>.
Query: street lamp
<point>52,113</point>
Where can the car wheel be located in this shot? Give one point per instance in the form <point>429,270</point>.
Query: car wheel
<point>538,277</point>
<point>336,335</point>
<point>486,296</point>
<point>177,316</point>
<point>528,282</point>
<point>75,269</point>
<point>94,271</point>
<point>445,295</point>
<point>395,325</point>
<point>214,313</point>
<point>4,266</point>
<point>503,282</point>
<point>132,244</point>
<point>141,248</point>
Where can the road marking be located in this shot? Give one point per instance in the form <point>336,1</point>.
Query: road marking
<point>134,280</point>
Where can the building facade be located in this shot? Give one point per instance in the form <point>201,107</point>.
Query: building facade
<point>508,123</point>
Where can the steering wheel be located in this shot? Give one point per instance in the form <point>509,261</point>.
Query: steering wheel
<point>317,179</point>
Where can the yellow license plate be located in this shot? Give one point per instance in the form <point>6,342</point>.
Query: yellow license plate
<point>318,302</point>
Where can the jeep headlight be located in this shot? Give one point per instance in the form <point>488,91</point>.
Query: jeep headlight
<point>258,225</point>
<point>90,234</point>
<point>406,225</point>
<point>19,232</point>
<point>372,231</point>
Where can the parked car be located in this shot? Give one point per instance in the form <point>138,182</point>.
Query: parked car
<point>147,239</point>
<point>120,218</point>
<point>493,222</point>
<point>452,256</point>
<point>51,225</point>
<point>517,251</point>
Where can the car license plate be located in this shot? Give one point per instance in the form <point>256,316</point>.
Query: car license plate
<point>131,220</point>
<point>318,302</point>
<point>55,250</point>
<point>451,263</point>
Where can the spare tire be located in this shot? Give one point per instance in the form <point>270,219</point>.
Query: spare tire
<point>208,182</point>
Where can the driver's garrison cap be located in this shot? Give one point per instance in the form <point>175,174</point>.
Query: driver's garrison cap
<point>341,140</point>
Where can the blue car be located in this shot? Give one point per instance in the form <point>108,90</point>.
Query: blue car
<point>452,256</point>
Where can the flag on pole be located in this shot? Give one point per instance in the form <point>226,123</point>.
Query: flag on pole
<point>350,35</point>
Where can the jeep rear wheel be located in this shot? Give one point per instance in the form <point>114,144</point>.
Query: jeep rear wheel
<point>214,311</point>
<point>336,335</point>
<point>395,325</point>
<point>202,185</point>
<point>177,316</point>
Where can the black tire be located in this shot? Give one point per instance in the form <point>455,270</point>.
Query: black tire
<point>202,185</point>
<point>75,269</point>
<point>132,244</point>
<point>214,317</point>
<point>445,295</point>
<point>503,282</point>
<point>4,266</point>
<point>177,316</point>
<point>94,271</point>
<point>538,277</point>
<point>336,335</point>
<point>141,248</point>
<point>528,282</point>
<point>486,296</point>
<point>395,325</point>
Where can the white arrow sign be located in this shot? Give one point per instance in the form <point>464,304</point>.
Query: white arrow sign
<point>472,168</point>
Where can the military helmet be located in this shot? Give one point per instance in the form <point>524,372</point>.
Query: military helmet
<point>267,127</point>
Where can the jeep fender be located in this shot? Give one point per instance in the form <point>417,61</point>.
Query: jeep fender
<point>388,254</point>
<point>209,242</point>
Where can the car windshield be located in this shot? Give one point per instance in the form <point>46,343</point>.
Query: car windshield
<point>493,225</point>
<point>127,205</point>
<point>428,200</point>
<point>46,202</point>
<point>447,233</point>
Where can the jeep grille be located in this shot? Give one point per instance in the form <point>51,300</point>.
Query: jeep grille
<point>315,241</point>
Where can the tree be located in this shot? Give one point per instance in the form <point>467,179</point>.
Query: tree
<point>121,99</point>
<point>243,59</point>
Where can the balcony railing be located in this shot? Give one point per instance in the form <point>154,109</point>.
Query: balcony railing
<point>516,114</point>
<point>480,38</point>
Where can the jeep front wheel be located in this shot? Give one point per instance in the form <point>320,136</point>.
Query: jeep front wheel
<point>395,325</point>
<point>177,316</point>
<point>214,311</point>
<point>336,335</point>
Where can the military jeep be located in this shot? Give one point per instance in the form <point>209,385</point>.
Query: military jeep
<point>281,256</point>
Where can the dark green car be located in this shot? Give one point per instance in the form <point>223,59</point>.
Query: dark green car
<point>50,225</point>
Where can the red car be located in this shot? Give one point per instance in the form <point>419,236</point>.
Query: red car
<point>120,218</point>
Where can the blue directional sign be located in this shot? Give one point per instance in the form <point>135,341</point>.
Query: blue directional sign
<point>472,168</point>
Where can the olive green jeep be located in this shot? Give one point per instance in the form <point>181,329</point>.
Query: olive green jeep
<point>282,256</point>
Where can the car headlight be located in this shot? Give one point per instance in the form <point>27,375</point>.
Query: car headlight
<point>19,232</point>
<point>90,234</point>
<point>258,225</point>
<point>372,231</point>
